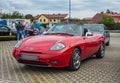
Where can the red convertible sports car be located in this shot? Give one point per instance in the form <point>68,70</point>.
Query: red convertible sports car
<point>64,45</point>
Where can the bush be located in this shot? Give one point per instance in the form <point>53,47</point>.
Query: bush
<point>115,26</point>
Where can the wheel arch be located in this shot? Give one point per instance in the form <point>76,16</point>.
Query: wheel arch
<point>74,48</point>
<point>70,64</point>
<point>102,40</point>
<point>78,48</point>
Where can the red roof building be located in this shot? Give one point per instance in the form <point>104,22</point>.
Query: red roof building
<point>53,18</point>
<point>88,20</point>
<point>98,17</point>
<point>115,16</point>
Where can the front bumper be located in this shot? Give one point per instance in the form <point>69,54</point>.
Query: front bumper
<point>50,59</point>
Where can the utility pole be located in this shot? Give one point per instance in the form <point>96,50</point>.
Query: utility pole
<point>69,9</point>
<point>0,13</point>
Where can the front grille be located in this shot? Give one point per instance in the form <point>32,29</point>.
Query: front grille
<point>31,52</point>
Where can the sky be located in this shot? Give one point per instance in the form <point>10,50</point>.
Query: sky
<point>79,8</point>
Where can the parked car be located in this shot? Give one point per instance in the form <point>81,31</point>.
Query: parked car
<point>64,45</point>
<point>99,29</point>
<point>6,33</point>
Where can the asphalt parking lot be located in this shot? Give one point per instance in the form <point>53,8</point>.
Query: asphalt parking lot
<point>92,70</point>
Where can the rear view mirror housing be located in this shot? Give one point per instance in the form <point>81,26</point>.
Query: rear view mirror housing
<point>89,34</point>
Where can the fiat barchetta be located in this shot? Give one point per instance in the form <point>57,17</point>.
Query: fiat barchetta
<point>63,45</point>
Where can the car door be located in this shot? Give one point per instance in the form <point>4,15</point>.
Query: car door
<point>87,43</point>
<point>91,44</point>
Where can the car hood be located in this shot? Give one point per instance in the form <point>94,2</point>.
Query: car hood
<point>45,41</point>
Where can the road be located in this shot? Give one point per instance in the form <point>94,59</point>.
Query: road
<point>92,70</point>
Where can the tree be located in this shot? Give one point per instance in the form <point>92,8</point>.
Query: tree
<point>28,16</point>
<point>108,11</point>
<point>6,16</point>
<point>108,21</point>
<point>83,21</point>
<point>16,14</point>
<point>116,26</point>
<point>78,20</point>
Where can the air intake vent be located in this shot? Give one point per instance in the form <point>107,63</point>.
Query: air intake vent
<point>31,52</point>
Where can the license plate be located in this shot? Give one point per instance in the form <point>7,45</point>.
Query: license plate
<point>29,57</point>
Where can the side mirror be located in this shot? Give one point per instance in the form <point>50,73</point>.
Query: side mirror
<point>106,31</point>
<point>89,34</point>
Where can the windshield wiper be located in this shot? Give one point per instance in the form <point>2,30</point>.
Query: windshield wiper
<point>66,34</point>
<point>59,33</point>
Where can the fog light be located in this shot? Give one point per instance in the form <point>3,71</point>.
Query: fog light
<point>54,62</point>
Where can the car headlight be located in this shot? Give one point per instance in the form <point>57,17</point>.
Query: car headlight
<point>18,44</point>
<point>58,46</point>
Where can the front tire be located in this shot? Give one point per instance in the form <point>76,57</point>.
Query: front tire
<point>75,60</point>
<point>101,51</point>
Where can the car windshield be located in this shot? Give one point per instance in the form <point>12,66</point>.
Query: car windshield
<point>94,28</point>
<point>70,29</point>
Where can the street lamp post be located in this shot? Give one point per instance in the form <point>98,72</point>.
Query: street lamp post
<point>0,13</point>
<point>69,9</point>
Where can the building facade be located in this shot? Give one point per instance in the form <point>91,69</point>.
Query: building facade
<point>98,17</point>
<point>115,16</point>
<point>88,20</point>
<point>50,18</point>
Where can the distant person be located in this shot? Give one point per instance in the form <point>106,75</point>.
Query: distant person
<point>38,25</point>
<point>13,26</point>
<point>37,28</point>
<point>19,28</point>
<point>26,28</point>
<point>31,28</point>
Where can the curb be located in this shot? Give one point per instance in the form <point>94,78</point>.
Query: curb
<point>115,34</point>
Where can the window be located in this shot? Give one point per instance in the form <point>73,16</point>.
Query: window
<point>54,20</point>
<point>40,20</point>
<point>50,20</point>
<point>44,20</point>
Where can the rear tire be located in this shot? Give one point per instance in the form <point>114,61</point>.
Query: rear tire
<point>101,51</point>
<point>75,60</point>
